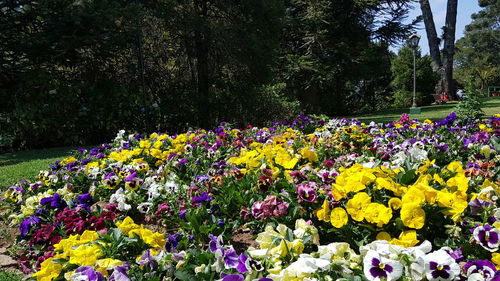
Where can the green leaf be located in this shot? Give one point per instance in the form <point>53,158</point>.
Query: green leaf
<point>184,276</point>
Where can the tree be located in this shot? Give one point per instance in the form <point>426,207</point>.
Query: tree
<point>477,59</point>
<point>331,49</point>
<point>402,77</point>
<point>442,62</point>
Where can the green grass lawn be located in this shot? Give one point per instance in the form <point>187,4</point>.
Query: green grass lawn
<point>27,164</point>
<point>491,106</point>
<point>10,276</point>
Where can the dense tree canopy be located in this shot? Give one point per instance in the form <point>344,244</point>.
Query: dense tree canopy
<point>477,56</point>
<point>87,68</point>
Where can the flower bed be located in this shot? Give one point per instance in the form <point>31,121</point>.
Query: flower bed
<point>306,200</point>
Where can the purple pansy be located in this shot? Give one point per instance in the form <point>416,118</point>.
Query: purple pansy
<point>120,274</point>
<point>147,259</point>
<point>230,258</point>
<point>480,270</point>
<point>231,277</point>
<point>439,265</point>
<point>243,263</point>
<point>487,237</point>
<point>172,242</point>
<point>477,205</point>
<point>307,191</point>
<point>26,225</point>
<point>85,201</point>
<point>55,201</point>
<point>215,243</point>
<point>204,197</point>
<point>377,267</point>
<point>87,273</point>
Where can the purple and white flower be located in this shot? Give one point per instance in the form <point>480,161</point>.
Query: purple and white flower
<point>120,274</point>
<point>439,265</point>
<point>377,267</point>
<point>487,237</point>
<point>87,273</point>
<point>480,270</point>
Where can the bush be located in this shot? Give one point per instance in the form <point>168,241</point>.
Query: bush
<point>405,99</point>
<point>470,107</point>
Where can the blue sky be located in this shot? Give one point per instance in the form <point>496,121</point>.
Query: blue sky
<point>465,9</point>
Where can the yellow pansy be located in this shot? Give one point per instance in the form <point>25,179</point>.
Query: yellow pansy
<point>383,236</point>
<point>456,167</point>
<point>414,195</point>
<point>427,164</point>
<point>406,239</point>
<point>338,192</point>
<point>378,214</point>
<point>309,154</point>
<point>144,144</point>
<point>338,217</point>
<point>85,255</point>
<point>323,213</point>
<point>413,215</point>
<point>356,206</point>
<point>67,161</point>
<point>495,258</point>
<point>127,225</point>
<point>154,239</point>
<point>395,203</point>
<point>459,182</point>
<point>103,265</point>
<point>48,270</point>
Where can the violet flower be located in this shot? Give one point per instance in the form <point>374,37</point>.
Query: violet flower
<point>172,242</point>
<point>147,259</point>
<point>477,205</point>
<point>378,268</point>
<point>215,243</point>
<point>480,270</point>
<point>439,265</point>
<point>26,225</point>
<point>231,259</point>
<point>243,263</point>
<point>487,237</point>
<point>307,192</point>
<point>87,273</point>
<point>232,277</point>
<point>120,274</point>
<point>55,201</point>
<point>204,197</point>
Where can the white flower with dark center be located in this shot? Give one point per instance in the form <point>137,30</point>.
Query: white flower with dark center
<point>439,265</point>
<point>376,267</point>
<point>488,237</point>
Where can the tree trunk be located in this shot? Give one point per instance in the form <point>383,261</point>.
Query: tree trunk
<point>443,65</point>
<point>432,38</point>
<point>449,48</point>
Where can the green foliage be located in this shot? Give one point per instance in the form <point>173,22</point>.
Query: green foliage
<point>75,72</point>
<point>402,82</point>
<point>10,276</point>
<point>404,99</point>
<point>470,107</point>
<point>477,52</point>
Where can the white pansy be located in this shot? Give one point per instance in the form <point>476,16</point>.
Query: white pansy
<point>144,207</point>
<point>120,198</point>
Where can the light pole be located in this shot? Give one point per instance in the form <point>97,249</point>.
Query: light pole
<point>413,42</point>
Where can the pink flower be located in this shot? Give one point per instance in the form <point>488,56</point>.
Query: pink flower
<point>272,206</point>
<point>307,192</point>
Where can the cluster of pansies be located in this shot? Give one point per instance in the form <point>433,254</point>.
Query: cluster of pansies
<point>309,200</point>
